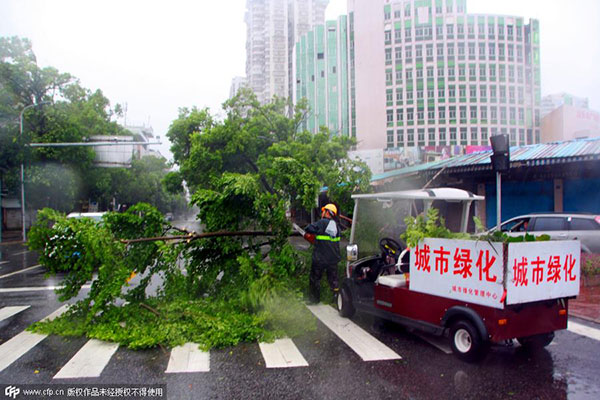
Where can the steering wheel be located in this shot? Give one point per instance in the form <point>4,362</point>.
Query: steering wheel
<point>390,248</point>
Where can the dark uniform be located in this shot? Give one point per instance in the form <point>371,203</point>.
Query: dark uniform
<point>325,257</point>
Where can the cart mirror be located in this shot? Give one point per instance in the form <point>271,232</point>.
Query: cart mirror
<point>352,252</point>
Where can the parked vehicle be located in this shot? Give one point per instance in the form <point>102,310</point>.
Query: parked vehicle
<point>559,226</point>
<point>466,290</point>
<point>96,216</point>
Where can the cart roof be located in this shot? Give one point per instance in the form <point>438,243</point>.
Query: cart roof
<point>447,194</point>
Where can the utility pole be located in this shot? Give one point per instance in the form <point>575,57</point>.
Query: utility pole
<point>23,169</point>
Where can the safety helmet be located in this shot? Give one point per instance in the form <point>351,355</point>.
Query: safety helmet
<point>330,207</point>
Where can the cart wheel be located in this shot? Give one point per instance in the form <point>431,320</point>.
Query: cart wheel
<point>536,341</point>
<point>344,303</point>
<point>465,341</point>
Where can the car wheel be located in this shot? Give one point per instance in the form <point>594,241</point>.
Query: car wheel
<point>344,303</point>
<point>536,341</point>
<point>465,341</point>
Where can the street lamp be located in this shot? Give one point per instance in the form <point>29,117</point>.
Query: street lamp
<point>22,168</point>
<point>500,163</point>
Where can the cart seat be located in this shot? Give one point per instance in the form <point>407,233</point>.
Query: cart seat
<point>393,281</point>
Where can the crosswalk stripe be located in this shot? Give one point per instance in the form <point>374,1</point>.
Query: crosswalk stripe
<point>188,358</point>
<point>363,344</point>
<point>14,348</point>
<point>7,312</point>
<point>36,288</point>
<point>90,360</point>
<point>583,330</point>
<point>282,353</point>
<point>20,271</point>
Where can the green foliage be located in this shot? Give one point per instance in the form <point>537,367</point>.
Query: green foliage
<point>420,227</point>
<point>590,264</point>
<point>244,173</point>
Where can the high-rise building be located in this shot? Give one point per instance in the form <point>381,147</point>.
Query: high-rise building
<point>553,101</point>
<point>321,76</point>
<point>426,73</point>
<point>272,28</point>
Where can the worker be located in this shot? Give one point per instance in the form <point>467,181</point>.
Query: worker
<point>326,253</point>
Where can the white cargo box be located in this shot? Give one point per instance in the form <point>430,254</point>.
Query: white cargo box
<point>493,274</point>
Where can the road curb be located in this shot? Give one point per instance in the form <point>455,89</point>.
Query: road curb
<point>584,317</point>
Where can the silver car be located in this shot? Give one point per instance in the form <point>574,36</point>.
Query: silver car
<point>560,226</point>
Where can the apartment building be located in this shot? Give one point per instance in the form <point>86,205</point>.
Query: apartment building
<point>427,73</point>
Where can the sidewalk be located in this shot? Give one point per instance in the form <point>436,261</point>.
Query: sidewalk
<point>587,304</point>
<point>11,237</point>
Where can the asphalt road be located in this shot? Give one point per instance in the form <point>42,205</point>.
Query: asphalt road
<point>567,369</point>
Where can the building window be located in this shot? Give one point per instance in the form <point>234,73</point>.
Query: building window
<point>440,72</point>
<point>450,49</point>
<point>483,112</point>
<point>410,137</point>
<point>407,10</point>
<point>452,91</point>
<point>492,50</point>
<point>474,138</point>
<point>462,92</point>
<point>482,51</point>
<point>407,34</point>
<point>484,135</point>
<point>482,91</point>
<point>473,91</point>
<point>441,93</point>
<point>419,73</point>
<point>409,115</point>
<point>398,76</point>
<point>471,51</point>
<point>430,72</point>
<point>388,37</point>
<point>451,72</point>
<point>390,139</point>
<point>431,136</point>
<point>320,56</point>
<point>430,94</point>
<point>388,56</point>
<point>493,113</point>
<point>521,116</point>
<point>512,115</point>
<point>409,74</point>
<point>442,113</point>
<point>442,135</point>
<point>440,51</point>
<point>408,53</point>
<point>397,35</point>
<point>452,136</point>
<point>421,137</point>
<point>390,116</point>
<point>493,92</point>
<point>420,115</point>
<point>399,115</point>
<point>439,31</point>
<point>452,113</point>
<point>389,97</point>
<point>463,136</point>
<point>461,71</point>
<point>399,138</point>
<point>460,29</point>
<point>409,94</point>
<point>461,50</point>
<point>398,96</point>
<point>419,51</point>
<point>388,78</point>
<point>473,112</point>
<point>450,30</point>
<point>463,113</point>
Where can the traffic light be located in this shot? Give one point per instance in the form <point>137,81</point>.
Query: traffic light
<point>501,157</point>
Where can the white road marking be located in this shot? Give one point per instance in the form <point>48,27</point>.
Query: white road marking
<point>11,350</point>
<point>20,271</point>
<point>282,353</point>
<point>35,289</point>
<point>583,330</point>
<point>21,252</point>
<point>90,360</point>
<point>7,312</point>
<point>363,344</point>
<point>4,262</point>
<point>188,358</point>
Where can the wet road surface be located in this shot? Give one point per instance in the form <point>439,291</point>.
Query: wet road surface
<point>567,369</point>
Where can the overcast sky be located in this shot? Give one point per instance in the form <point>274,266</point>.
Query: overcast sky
<point>157,56</point>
